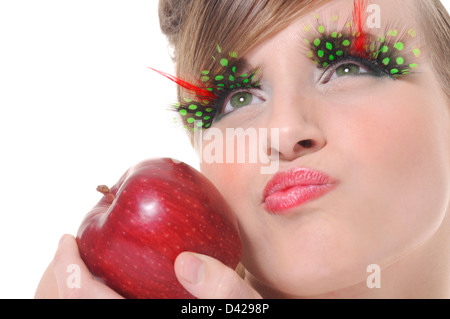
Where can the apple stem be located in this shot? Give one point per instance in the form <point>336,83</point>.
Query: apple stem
<point>105,191</point>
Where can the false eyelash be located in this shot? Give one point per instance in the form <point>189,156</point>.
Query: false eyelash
<point>389,53</point>
<point>228,83</point>
<point>204,105</point>
<point>201,113</point>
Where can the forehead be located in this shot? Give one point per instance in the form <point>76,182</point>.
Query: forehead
<point>389,11</point>
<point>375,17</point>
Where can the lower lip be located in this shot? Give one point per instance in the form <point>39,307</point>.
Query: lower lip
<point>281,202</point>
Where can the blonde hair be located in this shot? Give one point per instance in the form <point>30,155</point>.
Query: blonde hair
<point>434,24</point>
<point>195,27</point>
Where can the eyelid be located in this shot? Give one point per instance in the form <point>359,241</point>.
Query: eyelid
<point>371,67</point>
<point>254,91</point>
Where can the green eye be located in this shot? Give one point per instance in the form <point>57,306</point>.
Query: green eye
<point>348,69</point>
<point>241,99</point>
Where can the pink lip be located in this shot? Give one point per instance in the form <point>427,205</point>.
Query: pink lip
<point>293,188</point>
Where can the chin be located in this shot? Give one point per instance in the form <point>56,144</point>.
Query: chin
<point>308,274</point>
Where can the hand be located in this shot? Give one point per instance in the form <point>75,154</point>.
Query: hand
<point>67,276</point>
<point>202,276</point>
<point>206,277</point>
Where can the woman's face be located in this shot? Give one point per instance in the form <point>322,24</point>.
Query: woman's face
<point>383,143</point>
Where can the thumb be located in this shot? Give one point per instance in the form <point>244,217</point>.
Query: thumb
<point>207,278</point>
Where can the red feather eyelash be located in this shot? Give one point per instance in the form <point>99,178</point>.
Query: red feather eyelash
<point>359,13</point>
<point>200,92</point>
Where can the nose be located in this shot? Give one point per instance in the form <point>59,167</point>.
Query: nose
<point>298,125</point>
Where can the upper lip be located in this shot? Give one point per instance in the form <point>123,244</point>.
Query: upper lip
<point>295,177</point>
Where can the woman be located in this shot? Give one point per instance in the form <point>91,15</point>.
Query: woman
<point>359,96</point>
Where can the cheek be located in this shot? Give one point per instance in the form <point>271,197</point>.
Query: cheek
<point>228,178</point>
<point>232,160</point>
<point>397,158</point>
<point>241,185</point>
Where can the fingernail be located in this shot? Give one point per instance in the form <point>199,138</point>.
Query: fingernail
<point>192,269</point>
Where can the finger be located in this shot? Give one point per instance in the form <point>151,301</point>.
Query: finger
<point>206,277</point>
<point>73,277</point>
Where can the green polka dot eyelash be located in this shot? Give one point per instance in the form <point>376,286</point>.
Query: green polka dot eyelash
<point>354,46</point>
<point>204,105</point>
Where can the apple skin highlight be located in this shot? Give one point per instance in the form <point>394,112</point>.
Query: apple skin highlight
<point>158,209</point>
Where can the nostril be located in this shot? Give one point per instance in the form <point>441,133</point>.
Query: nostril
<point>306,143</point>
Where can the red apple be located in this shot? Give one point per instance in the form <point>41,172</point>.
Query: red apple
<point>158,209</point>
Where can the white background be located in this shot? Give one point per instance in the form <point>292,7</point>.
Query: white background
<point>78,106</point>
